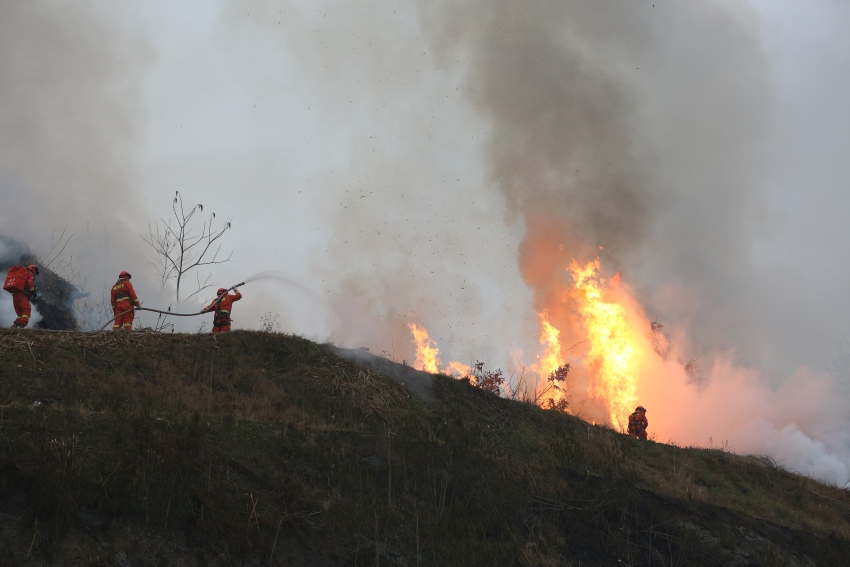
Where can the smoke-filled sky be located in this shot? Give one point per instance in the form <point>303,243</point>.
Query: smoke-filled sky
<point>441,162</point>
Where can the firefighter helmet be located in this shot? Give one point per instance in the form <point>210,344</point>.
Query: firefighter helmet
<point>125,275</point>
<point>33,268</point>
<point>640,408</point>
<point>220,291</point>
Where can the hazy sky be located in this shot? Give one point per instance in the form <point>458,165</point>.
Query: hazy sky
<point>392,157</point>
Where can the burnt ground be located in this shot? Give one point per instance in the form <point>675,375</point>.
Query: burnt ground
<point>419,383</point>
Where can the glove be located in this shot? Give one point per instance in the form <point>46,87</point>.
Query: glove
<point>137,307</point>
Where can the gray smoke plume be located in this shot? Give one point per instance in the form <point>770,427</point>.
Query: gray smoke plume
<point>551,80</point>
<point>69,122</point>
<point>636,127</point>
<point>461,140</point>
<point>632,130</point>
<point>457,138</point>
<point>450,159</point>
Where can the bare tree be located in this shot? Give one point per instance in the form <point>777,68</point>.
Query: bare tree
<point>57,248</point>
<point>179,246</point>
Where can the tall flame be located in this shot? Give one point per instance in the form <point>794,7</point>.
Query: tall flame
<point>551,361</point>
<point>427,353</point>
<point>550,337</point>
<point>614,357</point>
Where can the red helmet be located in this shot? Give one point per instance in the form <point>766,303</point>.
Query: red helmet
<point>125,275</point>
<point>33,268</point>
<point>640,408</point>
<point>220,291</point>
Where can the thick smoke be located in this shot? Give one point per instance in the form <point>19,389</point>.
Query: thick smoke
<point>638,132</point>
<point>634,131</point>
<point>411,229</point>
<point>802,425</point>
<point>636,128</point>
<point>451,131</point>
<point>550,79</point>
<point>450,160</point>
<point>69,122</point>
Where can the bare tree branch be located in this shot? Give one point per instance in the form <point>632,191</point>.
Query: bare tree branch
<point>201,286</point>
<point>178,248</point>
<point>54,244</point>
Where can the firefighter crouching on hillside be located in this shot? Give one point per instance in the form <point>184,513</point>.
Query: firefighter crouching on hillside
<point>124,302</point>
<point>638,423</point>
<point>20,282</point>
<point>222,305</point>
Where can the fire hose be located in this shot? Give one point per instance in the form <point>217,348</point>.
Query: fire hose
<point>218,298</point>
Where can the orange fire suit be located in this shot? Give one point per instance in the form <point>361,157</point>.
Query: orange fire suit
<point>124,300</point>
<point>638,424</point>
<point>21,302</point>
<point>222,306</point>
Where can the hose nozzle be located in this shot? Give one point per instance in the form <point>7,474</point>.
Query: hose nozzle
<point>222,294</point>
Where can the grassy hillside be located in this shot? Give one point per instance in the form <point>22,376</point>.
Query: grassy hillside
<point>267,449</point>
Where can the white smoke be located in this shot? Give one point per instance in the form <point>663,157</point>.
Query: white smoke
<point>802,424</point>
<point>7,311</point>
<point>452,134</point>
<point>69,82</point>
<point>398,155</point>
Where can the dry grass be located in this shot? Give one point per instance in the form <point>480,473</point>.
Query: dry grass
<point>267,448</point>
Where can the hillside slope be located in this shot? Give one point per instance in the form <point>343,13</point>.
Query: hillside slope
<point>267,449</point>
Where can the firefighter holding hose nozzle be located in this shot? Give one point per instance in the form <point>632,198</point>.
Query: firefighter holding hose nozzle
<point>124,302</point>
<point>20,282</point>
<point>222,306</point>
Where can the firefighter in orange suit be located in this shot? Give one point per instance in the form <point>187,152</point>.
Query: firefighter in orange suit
<point>222,305</point>
<point>638,423</point>
<point>124,302</point>
<point>20,282</point>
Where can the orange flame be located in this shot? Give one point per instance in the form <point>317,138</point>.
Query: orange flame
<point>458,369</point>
<point>551,360</point>
<point>428,355</point>
<point>614,355</point>
<point>550,337</point>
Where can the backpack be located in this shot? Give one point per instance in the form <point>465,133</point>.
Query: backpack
<point>16,279</point>
<point>635,424</point>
